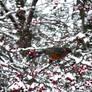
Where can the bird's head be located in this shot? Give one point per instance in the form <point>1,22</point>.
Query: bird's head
<point>68,50</point>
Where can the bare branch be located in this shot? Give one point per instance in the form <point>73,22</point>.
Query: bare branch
<point>10,16</point>
<point>20,3</point>
<point>29,19</point>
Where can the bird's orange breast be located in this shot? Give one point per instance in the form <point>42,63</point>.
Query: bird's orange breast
<point>57,56</point>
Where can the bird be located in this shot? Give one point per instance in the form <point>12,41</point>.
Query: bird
<point>56,53</point>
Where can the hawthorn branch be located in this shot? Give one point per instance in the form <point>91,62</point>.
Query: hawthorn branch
<point>21,12</point>
<point>26,33</point>
<point>10,16</point>
<point>31,12</point>
<point>20,3</point>
<point>6,15</point>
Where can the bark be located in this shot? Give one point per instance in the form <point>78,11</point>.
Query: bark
<point>31,12</point>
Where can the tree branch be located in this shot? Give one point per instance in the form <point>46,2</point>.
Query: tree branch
<point>31,12</point>
<point>10,16</point>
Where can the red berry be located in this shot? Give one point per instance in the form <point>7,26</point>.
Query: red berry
<point>16,41</point>
<point>87,9</point>
<point>56,3</point>
<point>68,78</point>
<point>54,7</point>
<point>79,7</point>
<point>90,19</point>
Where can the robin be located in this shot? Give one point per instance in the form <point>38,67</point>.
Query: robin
<point>56,53</point>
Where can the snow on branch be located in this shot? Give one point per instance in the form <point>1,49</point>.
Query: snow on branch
<point>6,15</point>
<point>10,16</point>
<point>30,16</point>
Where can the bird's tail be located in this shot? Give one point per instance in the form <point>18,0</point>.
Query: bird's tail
<point>39,53</point>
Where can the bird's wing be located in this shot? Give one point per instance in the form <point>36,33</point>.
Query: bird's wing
<point>55,50</point>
